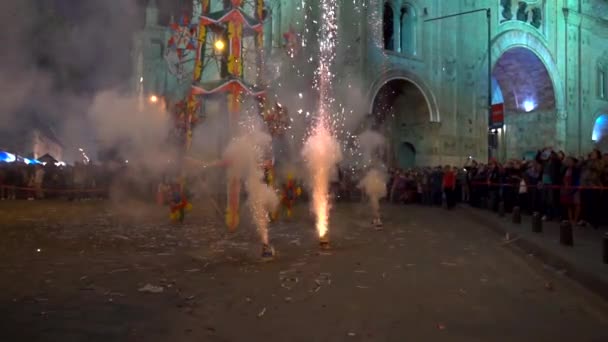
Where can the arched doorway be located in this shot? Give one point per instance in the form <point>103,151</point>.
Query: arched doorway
<point>522,83</point>
<point>401,112</point>
<point>406,155</point>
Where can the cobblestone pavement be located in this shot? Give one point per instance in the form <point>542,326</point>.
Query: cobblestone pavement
<point>74,271</point>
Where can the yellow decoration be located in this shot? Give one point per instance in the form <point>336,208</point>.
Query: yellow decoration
<point>202,39</point>
<point>232,220</point>
<point>299,191</point>
<point>260,8</point>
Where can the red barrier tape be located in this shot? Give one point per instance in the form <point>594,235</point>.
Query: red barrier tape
<point>57,191</point>
<point>539,186</point>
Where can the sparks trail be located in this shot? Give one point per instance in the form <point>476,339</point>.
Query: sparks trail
<point>321,150</point>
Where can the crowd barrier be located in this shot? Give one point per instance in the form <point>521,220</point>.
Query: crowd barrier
<point>538,186</point>
<point>51,190</point>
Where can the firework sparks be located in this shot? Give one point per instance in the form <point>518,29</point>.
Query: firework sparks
<point>322,151</point>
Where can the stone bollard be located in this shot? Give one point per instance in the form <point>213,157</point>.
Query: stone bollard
<point>606,248</point>
<point>566,237</point>
<point>537,222</point>
<point>501,209</point>
<point>517,215</point>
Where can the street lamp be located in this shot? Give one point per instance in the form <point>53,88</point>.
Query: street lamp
<point>489,42</point>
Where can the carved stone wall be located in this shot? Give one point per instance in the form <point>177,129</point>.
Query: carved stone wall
<point>530,131</point>
<point>528,11</point>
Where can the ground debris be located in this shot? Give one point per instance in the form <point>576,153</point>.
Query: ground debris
<point>151,289</point>
<point>120,270</point>
<point>262,312</point>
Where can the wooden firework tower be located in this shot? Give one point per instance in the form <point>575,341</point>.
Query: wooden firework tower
<point>219,38</point>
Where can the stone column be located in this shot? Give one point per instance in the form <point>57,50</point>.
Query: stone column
<point>573,91</point>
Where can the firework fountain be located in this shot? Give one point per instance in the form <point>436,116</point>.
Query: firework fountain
<point>321,150</point>
<point>245,154</point>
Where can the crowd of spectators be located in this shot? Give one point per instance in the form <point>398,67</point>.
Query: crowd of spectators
<point>36,181</point>
<point>557,186</point>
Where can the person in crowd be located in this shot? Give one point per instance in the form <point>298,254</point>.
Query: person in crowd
<point>551,166</point>
<point>464,185</point>
<point>591,182</point>
<point>493,181</point>
<point>436,186</point>
<point>531,177</point>
<point>449,187</point>
<point>570,194</point>
<point>3,184</point>
<point>38,179</point>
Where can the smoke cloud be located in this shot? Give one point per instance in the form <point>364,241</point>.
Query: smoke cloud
<point>374,186</point>
<point>58,55</point>
<point>245,155</point>
<point>374,181</point>
<point>370,145</point>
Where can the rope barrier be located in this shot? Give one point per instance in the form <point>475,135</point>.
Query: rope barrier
<point>56,191</point>
<point>539,186</point>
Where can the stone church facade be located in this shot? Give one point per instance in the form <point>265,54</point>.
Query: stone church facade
<point>425,83</point>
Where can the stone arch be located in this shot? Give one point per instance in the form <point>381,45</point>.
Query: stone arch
<point>403,108</point>
<point>523,81</point>
<point>416,81</point>
<point>520,45</point>
<point>517,38</point>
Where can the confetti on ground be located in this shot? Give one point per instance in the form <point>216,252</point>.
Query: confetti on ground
<point>151,289</point>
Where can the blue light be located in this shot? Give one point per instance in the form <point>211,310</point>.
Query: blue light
<point>31,161</point>
<point>529,105</point>
<point>7,157</point>
<point>600,129</point>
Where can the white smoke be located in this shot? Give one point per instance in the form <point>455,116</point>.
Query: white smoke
<point>374,182</point>
<point>374,186</point>
<point>370,145</point>
<point>245,155</point>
